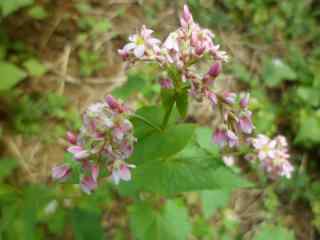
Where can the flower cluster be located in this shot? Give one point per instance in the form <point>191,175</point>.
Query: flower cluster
<point>105,140</point>
<point>273,155</point>
<point>181,50</point>
<point>236,119</point>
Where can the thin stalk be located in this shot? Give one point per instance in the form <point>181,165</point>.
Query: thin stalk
<point>150,124</point>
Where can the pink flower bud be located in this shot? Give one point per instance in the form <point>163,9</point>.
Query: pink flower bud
<point>123,54</point>
<point>212,98</point>
<point>220,137</point>
<point>244,101</point>
<point>71,138</point>
<point>245,124</point>
<point>186,17</point>
<point>232,139</point>
<point>215,70</point>
<point>166,83</point>
<point>95,172</point>
<point>115,105</point>
<point>88,184</point>
<point>61,172</point>
<point>200,50</point>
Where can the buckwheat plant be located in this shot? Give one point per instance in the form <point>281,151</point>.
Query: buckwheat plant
<point>172,156</point>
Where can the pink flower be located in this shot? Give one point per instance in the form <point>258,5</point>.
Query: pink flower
<point>121,171</point>
<point>61,172</point>
<point>72,138</point>
<point>245,123</point>
<point>78,152</point>
<point>88,184</point>
<point>140,44</point>
<point>264,146</point>
<point>273,155</point>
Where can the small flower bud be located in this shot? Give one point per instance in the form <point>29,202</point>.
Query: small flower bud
<point>71,138</point>
<point>200,50</point>
<point>245,123</point>
<point>88,184</point>
<point>186,17</point>
<point>219,137</point>
<point>232,139</point>
<point>244,101</point>
<point>61,172</point>
<point>215,70</point>
<point>212,98</point>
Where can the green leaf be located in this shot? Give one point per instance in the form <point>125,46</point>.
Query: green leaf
<point>192,169</point>
<point>182,103</point>
<point>35,68</point>
<point>10,75</point>
<point>276,71</point>
<point>35,198</point>
<point>38,12</point>
<point>309,95</point>
<point>87,225</point>
<point>10,6</point>
<point>170,223</point>
<point>7,165</point>
<point>213,200</point>
<point>161,145</point>
<point>277,233</point>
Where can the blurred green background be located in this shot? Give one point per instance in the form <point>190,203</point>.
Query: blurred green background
<point>58,56</point>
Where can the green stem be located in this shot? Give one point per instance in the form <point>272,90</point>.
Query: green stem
<point>150,124</point>
<point>167,115</point>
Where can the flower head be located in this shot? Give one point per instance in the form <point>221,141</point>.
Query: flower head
<point>106,137</point>
<point>273,155</point>
<point>141,45</point>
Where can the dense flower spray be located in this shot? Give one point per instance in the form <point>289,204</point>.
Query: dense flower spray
<point>105,141</point>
